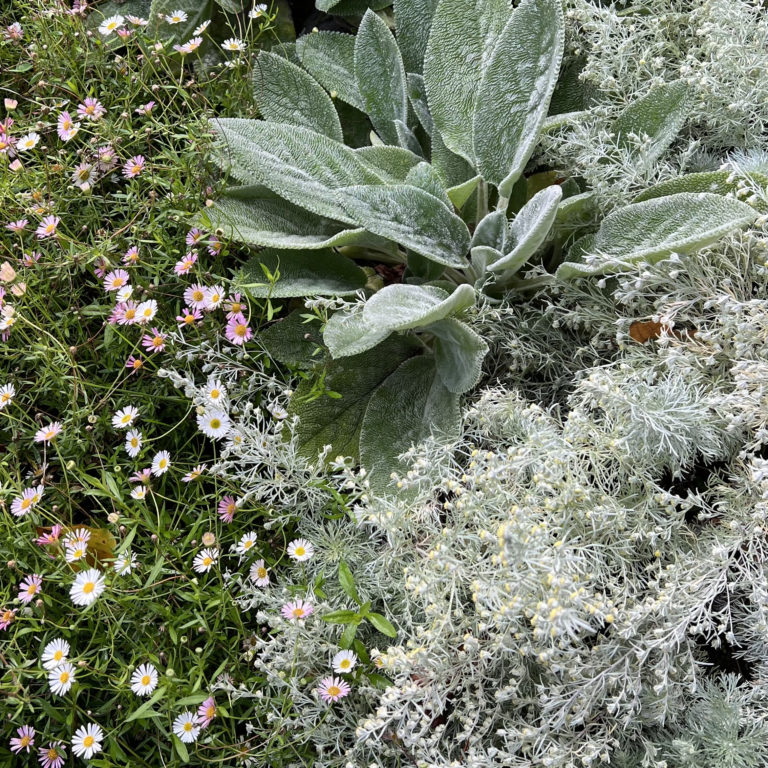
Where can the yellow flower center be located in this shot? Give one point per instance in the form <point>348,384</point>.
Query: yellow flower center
<point>25,740</point>
<point>64,677</point>
<point>26,503</point>
<point>300,551</point>
<point>5,397</point>
<point>136,363</point>
<point>240,330</point>
<point>88,741</point>
<point>118,282</point>
<point>157,341</point>
<point>198,296</point>
<point>7,615</point>
<point>145,680</point>
<point>210,712</point>
<point>334,690</point>
<point>261,573</point>
<point>88,587</point>
<point>129,315</point>
<point>344,664</point>
<point>162,463</point>
<point>58,656</point>
<point>215,394</point>
<point>126,418</point>
<point>49,228</point>
<point>32,589</point>
<point>247,544</point>
<point>298,612</point>
<point>147,312</point>
<point>215,423</point>
<point>50,434</point>
<point>90,109</point>
<point>215,298</point>
<point>112,25</point>
<point>52,754</point>
<point>189,319</point>
<point>207,561</point>
<point>188,726</point>
<point>134,442</point>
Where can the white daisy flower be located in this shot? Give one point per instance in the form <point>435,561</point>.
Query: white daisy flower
<point>55,653</point>
<point>233,44</point>
<point>125,417</point>
<point>108,26</point>
<point>176,17</point>
<point>125,293</point>
<point>194,474</point>
<point>277,411</point>
<point>146,311</point>
<point>87,587</point>
<point>214,423</point>
<point>161,463</point>
<point>185,727</point>
<point>76,552</point>
<point>259,574</point>
<point>87,740</point>
<point>139,492</point>
<point>60,678</point>
<point>77,536</point>
<point>216,392</point>
<point>344,661</point>
<point>28,141</point>
<point>133,442</point>
<point>7,392</point>
<point>205,560</point>
<point>213,297</point>
<point>144,680</point>
<point>198,30</point>
<point>246,543</point>
<point>137,21</point>
<point>125,563</point>
<point>257,11</point>
<point>300,550</point>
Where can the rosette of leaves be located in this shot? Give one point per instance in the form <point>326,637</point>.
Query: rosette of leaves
<point>409,149</point>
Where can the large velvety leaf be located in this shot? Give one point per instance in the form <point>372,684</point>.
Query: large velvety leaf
<point>330,58</point>
<point>717,182</point>
<point>399,307</point>
<point>391,163</point>
<point>454,169</point>
<point>652,230</point>
<point>310,273</point>
<point>408,407</point>
<point>337,422</point>
<point>491,231</point>
<point>351,7</point>
<point>659,115</point>
<point>461,41</point>
<point>413,19</point>
<point>424,176</point>
<point>380,77</point>
<point>285,93</point>
<point>514,94</point>
<point>298,164</point>
<point>417,95</point>
<point>264,218</point>
<point>411,217</point>
<point>349,333</point>
<point>529,229</point>
<point>459,354</point>
<point>292,340</point>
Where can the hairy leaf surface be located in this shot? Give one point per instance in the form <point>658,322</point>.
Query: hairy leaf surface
<point>413,20</point>
<point>400,306</point>
<point>459,354</point>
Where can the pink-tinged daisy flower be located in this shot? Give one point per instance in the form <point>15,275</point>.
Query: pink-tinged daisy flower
<point>66,127</point>
<point>84,176</point>
<point>185,265</point>
<point>116,279</point>
<point>259,574</point>
<point>48,432</point>
<point>134,364</point>
<point>227,508</point>
<point>47,227</point>
<point>145,109</point>
<point>146,311</point>
<point>7,615</point>
<point>194,474</point>
<point>13,31</point>
<point>238,331</point>
<point>106,158</point>
<point>213,297</point>
<point>87,740</point>
<point>131,255</point>
<point>91,109</point>
<point>189,47</point>
<point>300,550</point>
<point>139,492</point>
<point>200,28</point>
<point>186,728</point>
<point>17,226</point>
<point>206,712</point>
<point>29,499</point>
<point>154,341</point>
<point>77,536</point>
<point>332,689</point>
<point>214,246</point>
<point>53,755</point>
<point>100,267</point>
<point>31,258</point>
<point>234,305</point>
<point>134,167</point>
<point>205,560</point>
<point>24,739</point>
<point>195,296</point>
<point>6,146</point>
<point>51,537</point>
<point>142,476</point>
<point>161,463</point>
<point>124,33</point>
<point>188,317</point>
<point>194,236</point>
<point>127,313</point>
<point>298,609</point>
<point>28,141</point>
<point>137,21</point>
<point>30,588</point>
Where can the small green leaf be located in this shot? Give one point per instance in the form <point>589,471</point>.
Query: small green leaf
<point>460,193</point>
<point>285,93</point>
<point>513,97</point>
<point>286,340</point>
<point>145,710</point>
<point>342,617</point>
<point>380,76</point>
<point>382,624</point>
<point>654,229</point>
<point>181,748</point>
<point>348,636</point>
<point>347,581</point>
<point>349,333</point>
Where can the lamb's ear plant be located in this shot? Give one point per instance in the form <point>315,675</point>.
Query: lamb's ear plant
<point>409,149</point>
